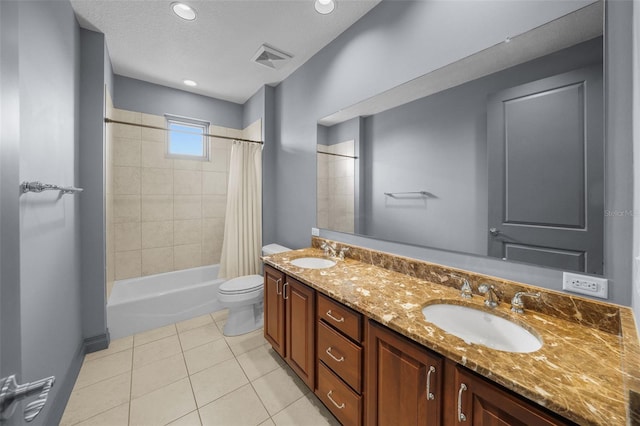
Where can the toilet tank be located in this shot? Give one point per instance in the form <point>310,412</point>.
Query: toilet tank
<point>270,249</point>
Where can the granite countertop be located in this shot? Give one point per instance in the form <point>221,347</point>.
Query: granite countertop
<point>582,373</point>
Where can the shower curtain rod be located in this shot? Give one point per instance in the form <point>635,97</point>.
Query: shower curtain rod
<point>109,120</point>
<point>336,155</point>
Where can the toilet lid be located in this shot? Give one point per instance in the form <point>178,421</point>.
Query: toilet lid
<point>244,284</point>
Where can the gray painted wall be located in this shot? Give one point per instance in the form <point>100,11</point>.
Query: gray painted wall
<point>438,144</point>
<point>141,96</point>
<point>398,41</point>
<point>95,71</point>
<point>636,156</point>
<point>50,245</point>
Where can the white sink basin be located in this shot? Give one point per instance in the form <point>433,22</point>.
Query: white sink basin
<point>480,327</point>
<point>313,262</point>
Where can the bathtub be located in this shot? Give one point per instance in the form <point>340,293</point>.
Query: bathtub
<point>140,304</point>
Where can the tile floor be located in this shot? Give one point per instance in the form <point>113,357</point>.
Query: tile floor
<point>190,374</point>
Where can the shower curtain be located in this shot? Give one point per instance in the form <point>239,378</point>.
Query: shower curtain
<point>242,244</point>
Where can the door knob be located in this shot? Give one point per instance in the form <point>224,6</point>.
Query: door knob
<point>494,232</point>
<point>11,393</point>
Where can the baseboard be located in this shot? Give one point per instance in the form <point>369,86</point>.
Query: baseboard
<point>58,405</point>
<point>96,343</point>
<point>56,410</point>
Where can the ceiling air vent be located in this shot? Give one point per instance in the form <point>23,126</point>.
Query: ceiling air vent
<point>270,57</point>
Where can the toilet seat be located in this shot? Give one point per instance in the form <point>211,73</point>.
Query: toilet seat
<point>242,285</point>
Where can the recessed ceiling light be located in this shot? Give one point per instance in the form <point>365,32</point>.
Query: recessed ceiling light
<point>190,83</point>
<point>324,7</point>
<point>184,11</point>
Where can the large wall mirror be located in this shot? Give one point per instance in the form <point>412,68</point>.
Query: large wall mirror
<point>500,154</point>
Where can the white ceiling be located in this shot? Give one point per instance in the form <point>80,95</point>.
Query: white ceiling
<point>148,42</point>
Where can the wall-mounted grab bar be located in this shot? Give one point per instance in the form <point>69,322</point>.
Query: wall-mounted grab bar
<point>421,193</point>
<point>39,187</point>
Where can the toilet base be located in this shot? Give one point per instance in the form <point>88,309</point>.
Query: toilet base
<point>244,319</point>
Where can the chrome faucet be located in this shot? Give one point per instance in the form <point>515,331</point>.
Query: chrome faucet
<point>465,289</point>
<point>329,250</point>
<point>343,250</point>
<point>517,305</point>
<point>491,299</point>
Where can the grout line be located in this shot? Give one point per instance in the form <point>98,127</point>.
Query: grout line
<point>131,382</point>
<point>193,393</point>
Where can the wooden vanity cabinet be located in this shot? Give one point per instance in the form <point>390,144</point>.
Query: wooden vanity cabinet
<point>404,380</point>
<point>474,400</point>
<point>274,309</point>
<point>289,322</point>
<point>340,360</point>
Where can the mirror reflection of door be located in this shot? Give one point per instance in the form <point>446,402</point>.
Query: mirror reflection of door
<point>546,173</point>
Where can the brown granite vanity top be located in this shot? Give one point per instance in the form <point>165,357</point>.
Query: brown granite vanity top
<point>588,369</point>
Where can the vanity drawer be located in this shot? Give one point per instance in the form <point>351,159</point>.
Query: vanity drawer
<point>344,319</point>
<point>341,355</point>
<point>344,403</point>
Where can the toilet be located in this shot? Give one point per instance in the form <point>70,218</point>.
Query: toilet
<point>244,298</point>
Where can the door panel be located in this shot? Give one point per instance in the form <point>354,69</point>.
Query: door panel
<point>300,326</point>
<point>546,173</point>
<point>274,309</point>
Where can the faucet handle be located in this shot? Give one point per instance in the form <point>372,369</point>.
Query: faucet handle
<point>517,305</point>
<point>465,289</point>
<point>343,250</point>
<point>491,300</point>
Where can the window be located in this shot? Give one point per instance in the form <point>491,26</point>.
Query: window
<point>187,138</point>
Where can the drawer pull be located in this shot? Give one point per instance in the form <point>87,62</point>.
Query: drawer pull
<point>284,291</point>
<point>334,318</point>
<point>461,416</point>
<point>430,395</point>
<point>278,291</point>
<point>340,407</point>
<point>332,356</point>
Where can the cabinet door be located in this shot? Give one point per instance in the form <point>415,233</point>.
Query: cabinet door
<point>274,312</point>
<point>404,380</point>
<point>300,302</point>
<point>480,402</point>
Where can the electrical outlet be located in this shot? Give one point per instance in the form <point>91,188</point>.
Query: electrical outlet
<point>315,232</point>
<point>585,284</point>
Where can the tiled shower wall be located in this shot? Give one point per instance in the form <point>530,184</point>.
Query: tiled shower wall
<point>336,187</point>
<point>168,214</point>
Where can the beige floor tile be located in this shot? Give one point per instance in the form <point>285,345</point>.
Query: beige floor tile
<point>163,405</point>
<point>214,382</point>
<point>94,371</point>
<point>207,355</point>
<point>156,351</point>
<point>259,361</point>
<point>199,336</point>
<point>115,346</point>
<point>220,315</point>
<point>157,374</point>
<point>279,388</point>
<point>307,410</point>
<point>96,399</point>
<point>153,335</point>
<point>240,407</point>
<point>191,419</point>
<point>194,323</point>
<point>246,342</point>
<point>118,416</point>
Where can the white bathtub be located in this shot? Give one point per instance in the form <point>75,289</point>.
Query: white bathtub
<point>140,304</point>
